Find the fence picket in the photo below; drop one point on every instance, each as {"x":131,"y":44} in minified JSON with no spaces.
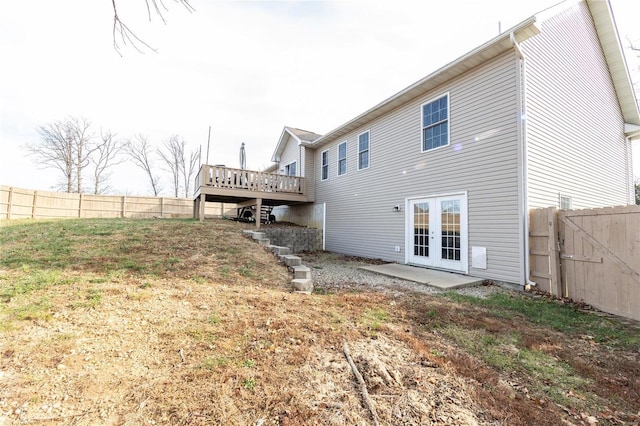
{"x":599,"y":261}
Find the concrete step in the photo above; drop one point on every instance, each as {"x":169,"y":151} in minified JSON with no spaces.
{"x":301,"y":272}
{"x":302,"y":285}
{"x":247,"y":232}
{"x":280,"y":251}
{"x":258,"y":235}
{"x":263,"y":241}
{"x":291,"y":260}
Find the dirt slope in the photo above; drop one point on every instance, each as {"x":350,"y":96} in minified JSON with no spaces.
{"x":188,"y":323}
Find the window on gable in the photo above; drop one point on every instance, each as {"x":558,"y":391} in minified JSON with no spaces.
{"x":290,"y":169}
{"x":435,"y":123}
{"x":325,"y":165}
{"x":363,"y":150}
{"x":342,"y":159}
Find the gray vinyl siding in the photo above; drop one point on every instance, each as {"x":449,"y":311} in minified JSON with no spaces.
{"x":481,"y":160}
{"x":305,"y":166}
{"x":308,"y":171}
{"x":575,"y":139}
{"x":291,"y":153}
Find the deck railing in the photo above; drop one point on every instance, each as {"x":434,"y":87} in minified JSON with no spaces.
{"x":225,"y":177}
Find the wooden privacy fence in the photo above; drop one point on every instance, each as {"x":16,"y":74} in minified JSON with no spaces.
{"x":591,"y":255}
{"x":16,"y":203}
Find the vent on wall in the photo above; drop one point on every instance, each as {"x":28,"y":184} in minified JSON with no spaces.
{"x":479,"y":257}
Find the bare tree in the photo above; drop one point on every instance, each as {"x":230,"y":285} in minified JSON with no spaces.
{"x":139,"y":150}
{"x":189,"y":167}
{"x":107,"y":154}
{"x":65,"y":145}
{"x":122,"y":34}
{"x":83,"y":145}
{"x":55,"y":150}
{"x":172,"y":154}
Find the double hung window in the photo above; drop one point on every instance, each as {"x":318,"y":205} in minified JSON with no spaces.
{"x":325,"y":165}
{"x":435,"y":123}
{"x":290,"y":169}
{"x":342,"y":159}
{"x":363,"y":150}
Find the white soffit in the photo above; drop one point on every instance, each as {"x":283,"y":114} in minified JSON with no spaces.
{"x":613,"y":53}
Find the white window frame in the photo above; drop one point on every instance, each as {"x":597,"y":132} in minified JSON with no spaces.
{"x":324,"y":154}
{"x":345,"y":158}
{"x":368,"y":150}
{"x":565,"y":198}
{"x":422,"y":141}
{"x":287,"y":169}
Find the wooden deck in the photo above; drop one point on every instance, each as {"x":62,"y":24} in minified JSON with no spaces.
{"x":246,"y":188}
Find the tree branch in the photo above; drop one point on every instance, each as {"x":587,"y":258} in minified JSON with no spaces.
{"x":126,"y":36}
{"x":363,"y":385}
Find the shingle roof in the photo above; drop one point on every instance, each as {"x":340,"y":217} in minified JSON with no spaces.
{"x":303,"y":135}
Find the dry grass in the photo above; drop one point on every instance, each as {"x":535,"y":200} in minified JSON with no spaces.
{"x":177,"y":322}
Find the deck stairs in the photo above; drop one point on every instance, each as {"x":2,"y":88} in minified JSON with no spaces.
{"x":248,"y":214}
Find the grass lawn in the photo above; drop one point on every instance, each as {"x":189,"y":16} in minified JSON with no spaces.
{"x":118,"y":321}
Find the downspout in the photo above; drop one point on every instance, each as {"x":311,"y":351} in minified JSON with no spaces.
{"x":629,"y":171}
{"x":522,"y":131}
{"x":628,"y":149}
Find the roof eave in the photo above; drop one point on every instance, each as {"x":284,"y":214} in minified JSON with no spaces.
{"x":484,"y":52}
{"x":604,"y":22}
{"x":280,"y":145}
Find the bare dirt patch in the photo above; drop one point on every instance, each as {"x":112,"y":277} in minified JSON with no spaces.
{"x":189,"y":323}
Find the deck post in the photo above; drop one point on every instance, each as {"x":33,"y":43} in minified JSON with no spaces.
{"x":258,"y":212}
{"x":201,"y":202}
{"x":195,"y":207}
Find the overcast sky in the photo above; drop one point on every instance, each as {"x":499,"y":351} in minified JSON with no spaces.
{"x":245,"y":68}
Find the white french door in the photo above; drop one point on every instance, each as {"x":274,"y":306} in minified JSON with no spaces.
{"x":437,"y":232}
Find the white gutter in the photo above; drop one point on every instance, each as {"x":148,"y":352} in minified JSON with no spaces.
{"x":522,"y":130}
{"x":629,"y":171}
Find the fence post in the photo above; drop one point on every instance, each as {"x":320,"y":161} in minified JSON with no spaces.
{"x":80,"y":205}
{"x":35,"y":204}
{"x":124,"y":203}
{"x":555,"y":286}
{"x":10,"y":202}
{"x":161,"y":207}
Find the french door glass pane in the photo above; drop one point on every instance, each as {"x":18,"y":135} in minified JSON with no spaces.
{"x":421,"y":229}
{"x":450,"y":225}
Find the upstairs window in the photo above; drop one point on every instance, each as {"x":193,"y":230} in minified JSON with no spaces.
{"x":435,"y":123}
{"x":325,"y":165}
{"x":342,"y":159}
{"x":363,"y":150}
{"x":290,"y":169}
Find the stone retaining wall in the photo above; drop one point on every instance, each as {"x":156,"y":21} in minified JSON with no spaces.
{"x":297,"y":239}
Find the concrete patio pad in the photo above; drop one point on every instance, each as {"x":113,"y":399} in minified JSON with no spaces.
{"x":439,"y":279}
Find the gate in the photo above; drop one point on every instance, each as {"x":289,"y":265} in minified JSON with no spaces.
{"x":591,"y":255}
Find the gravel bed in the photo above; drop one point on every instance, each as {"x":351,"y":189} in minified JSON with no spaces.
{"x":331,"y":271}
